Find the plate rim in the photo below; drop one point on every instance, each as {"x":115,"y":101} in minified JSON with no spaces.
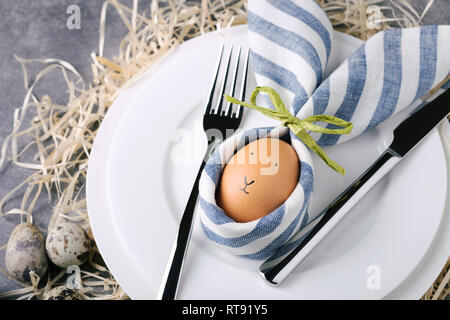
{"x":422,"y":277}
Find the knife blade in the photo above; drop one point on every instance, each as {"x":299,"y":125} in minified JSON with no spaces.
{"x":407,"y":135}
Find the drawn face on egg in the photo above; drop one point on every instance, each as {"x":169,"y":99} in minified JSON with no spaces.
{"x":258,"y":179}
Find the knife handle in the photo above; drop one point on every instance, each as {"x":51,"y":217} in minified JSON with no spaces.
{"x":331,"y":217}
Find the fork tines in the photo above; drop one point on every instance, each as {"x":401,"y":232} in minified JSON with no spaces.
{"x":228,"y":83}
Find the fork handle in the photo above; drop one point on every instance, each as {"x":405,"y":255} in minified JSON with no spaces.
{"x":172,"y":275}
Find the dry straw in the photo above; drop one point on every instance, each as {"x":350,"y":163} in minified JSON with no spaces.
{"x":62,"y":135}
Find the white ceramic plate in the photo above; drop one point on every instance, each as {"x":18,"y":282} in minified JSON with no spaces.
{"x":136,"y":194}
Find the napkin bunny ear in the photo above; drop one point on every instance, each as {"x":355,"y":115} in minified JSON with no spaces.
{"x":290,"y":42}
{"x":388,"y":73}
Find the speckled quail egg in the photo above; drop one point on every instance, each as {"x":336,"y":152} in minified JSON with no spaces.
{"x":62,"y":293}
{"x":67,"y":244}
{"x":25,"y":252}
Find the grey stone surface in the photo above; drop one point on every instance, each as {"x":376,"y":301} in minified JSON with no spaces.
{"x":37,"y":29}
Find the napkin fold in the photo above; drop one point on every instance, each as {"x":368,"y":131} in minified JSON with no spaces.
{"x":291,"y":41}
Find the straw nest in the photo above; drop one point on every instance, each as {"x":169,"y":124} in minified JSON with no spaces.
{"x":62,"y":135}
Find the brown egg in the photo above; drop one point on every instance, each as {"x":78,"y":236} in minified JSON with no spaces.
{"x":258,"y":179}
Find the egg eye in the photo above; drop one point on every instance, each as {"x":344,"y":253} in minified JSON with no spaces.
{"x":276,"y":164}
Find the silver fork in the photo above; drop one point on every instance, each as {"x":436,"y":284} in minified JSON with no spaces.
{"x":220,"y":119}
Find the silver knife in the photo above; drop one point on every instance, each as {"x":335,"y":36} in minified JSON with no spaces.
{"x":406,"y":136}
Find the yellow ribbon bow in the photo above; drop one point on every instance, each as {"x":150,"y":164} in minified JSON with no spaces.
{"x":298,"y":126}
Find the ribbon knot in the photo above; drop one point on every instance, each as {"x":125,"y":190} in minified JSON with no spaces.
{"x":290,"y":120}
{"x":299,"y":127}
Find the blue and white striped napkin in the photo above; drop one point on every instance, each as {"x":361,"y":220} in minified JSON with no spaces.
{"x":291,"y":41}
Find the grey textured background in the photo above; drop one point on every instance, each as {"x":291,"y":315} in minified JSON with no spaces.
{"x":37,"y":29}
